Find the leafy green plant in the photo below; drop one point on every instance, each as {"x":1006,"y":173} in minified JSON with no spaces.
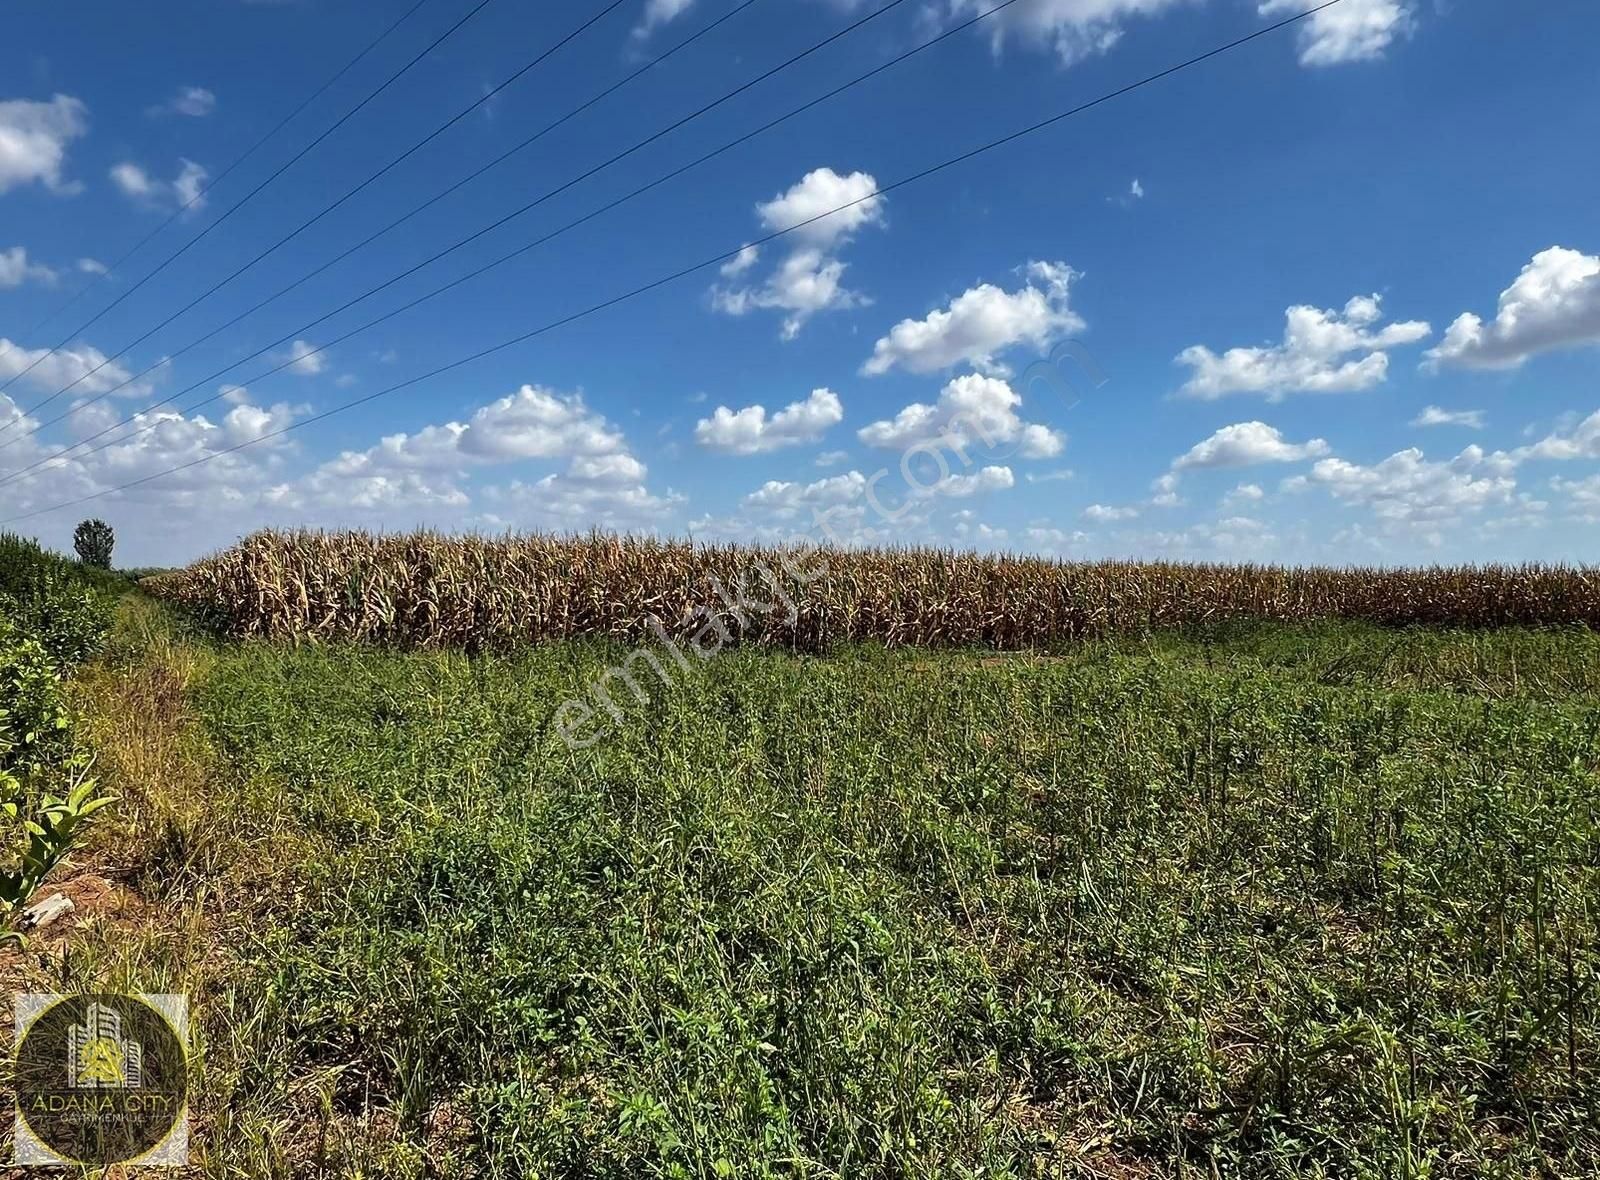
{"x":51,"y":828}
{"x":64,"y":605}
{"x":46,"y":794}
{"x":69,"y":622}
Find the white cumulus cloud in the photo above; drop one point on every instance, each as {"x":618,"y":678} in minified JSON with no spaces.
{"x":750,"y":431}
{"x":51,"y":371}
{"x":34,"y":137}
{"x":810,"y":279}
{"x":1323,"y":351}
{"x":1409,"y":488}
{"x":972,"y":410}
{"x":1245,"y":444}
{"x":1554,"y":303}
{"x":982,"y":322}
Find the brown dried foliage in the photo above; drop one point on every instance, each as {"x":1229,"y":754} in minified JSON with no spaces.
{"x":429,"y":590}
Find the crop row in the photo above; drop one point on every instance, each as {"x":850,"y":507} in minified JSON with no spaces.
{"x":430,"y":590}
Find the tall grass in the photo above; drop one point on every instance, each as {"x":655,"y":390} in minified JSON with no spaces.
{"x":431,"y":591}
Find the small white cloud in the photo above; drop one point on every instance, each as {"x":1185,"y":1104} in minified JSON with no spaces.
{"x":825,"y":205}
{"x":1245,"y":493}
{"x":658,"y":13}
{"x":1353,"y":30}
{"x":1437,"y":416}
{"x":1105,"y":513}
{"x":1407,"y":488}
{"x":831,"y":458}
{"x":1048,"y":539}
{"x":1582,"y":496}
{"x":189,"y":185}
{"x":972,"y":410}
{"x":194,"y":102}
{"x":183,"y":191}
{"x":1072,"y":29}
{"x":1165,"y":487}
{"x":92,"y":266}
{"x":1580,"y":441}
{"x":824,"y":210}
{"x":87,"y":369}
{"x":602,"y":483}
{"x":132,"y":180}
{"x":1136,"y":190}
{"x":980,"y":323}
{"x":304,"y":360}
{"x":1245,"y":444}
{"x":986,"y":479}
{"x":1554,"y":303}
{"x":1322,"y":352}
{"x":749,"y":431}
{"x":33,"y":140}
{"x":15,"y":269}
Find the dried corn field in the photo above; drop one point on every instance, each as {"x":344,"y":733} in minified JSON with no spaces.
{"x":427,"y":590}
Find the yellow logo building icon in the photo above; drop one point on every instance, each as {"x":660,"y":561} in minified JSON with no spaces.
{"x":97,"y":1055}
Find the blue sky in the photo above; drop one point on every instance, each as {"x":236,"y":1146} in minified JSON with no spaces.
{"x":1341,"y":283}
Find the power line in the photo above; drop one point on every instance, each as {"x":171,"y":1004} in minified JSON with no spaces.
{"x":431,"y":201}
{"x":794,"y":59}
{"x":171,"y":258}
{"x":307,"y":224}
{"x":221,"y":176}
{"x":696,"y":267}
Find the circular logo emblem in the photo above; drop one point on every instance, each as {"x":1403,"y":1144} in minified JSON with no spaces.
{"x":100,"y":1079}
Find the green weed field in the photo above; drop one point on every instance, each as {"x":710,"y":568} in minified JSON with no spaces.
{"x":1279,"y":901}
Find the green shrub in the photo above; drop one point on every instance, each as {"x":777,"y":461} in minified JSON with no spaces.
{"x":68,"y":622}
{"x":34,"y":718}
{"x":52,"y":617}
{"x":63,"y":605}
{"x":24,"y":563}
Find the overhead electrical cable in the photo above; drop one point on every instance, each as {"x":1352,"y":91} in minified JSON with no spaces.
{"x":515,"y":213}
{"x":696,"y":267}
{"x":307,"y":224}
{"x":309,"y":275}
{"x":201,"y":192}
{"x":234,"y":208}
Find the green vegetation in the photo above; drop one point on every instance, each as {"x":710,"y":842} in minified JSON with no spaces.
{"x":93,"y":540}
{"x":1280,"y":901}
{"x":53,"y":614}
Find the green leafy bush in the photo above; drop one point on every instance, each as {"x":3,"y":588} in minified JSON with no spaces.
{"x":51,"y":618}
{"x":24,"y":563}
{"x":63,"y":605}
{"x":34,"y":719}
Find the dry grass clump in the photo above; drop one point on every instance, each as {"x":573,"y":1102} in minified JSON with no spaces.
{"x":428,"y":590}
